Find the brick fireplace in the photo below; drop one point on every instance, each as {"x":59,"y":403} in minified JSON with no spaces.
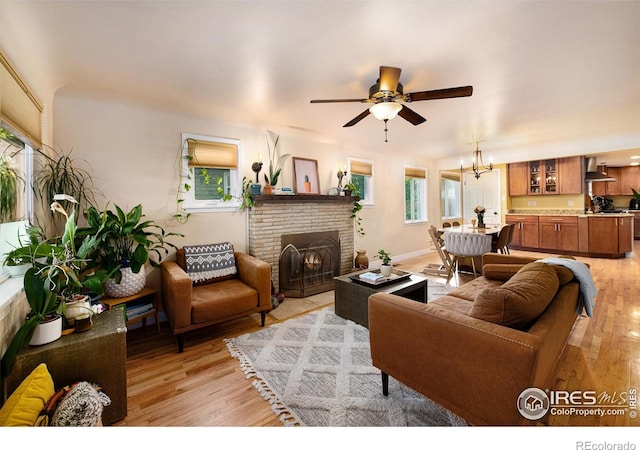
{"x":274,"y":216}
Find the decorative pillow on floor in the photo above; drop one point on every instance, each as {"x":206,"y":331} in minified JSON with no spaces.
{"x":210,"y":263}
{"x":519,"y":301}
{"x":24,"y":405}
{"x":81,"y":406}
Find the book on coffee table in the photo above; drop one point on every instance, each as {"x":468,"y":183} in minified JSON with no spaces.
{"x":372,"y":276}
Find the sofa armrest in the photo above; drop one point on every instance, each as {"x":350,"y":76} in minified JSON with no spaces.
{"x":454,"y":359}
{"x":177,"y":288}
{"x":257,"y":274}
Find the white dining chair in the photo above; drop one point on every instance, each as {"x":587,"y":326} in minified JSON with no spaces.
{"x":465,"y":245}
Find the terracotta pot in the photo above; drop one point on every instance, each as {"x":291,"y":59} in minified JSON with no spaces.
{"x":268,"y":189}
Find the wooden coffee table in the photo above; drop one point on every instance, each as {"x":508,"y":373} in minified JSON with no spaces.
{"x":352,"y":298}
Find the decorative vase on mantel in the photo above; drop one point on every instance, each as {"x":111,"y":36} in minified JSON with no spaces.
{"x":362,"y":260}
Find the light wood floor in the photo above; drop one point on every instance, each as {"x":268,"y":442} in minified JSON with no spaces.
{"x":204,"y":386}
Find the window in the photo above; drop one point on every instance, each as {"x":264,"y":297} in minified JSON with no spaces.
{"x":209,"y":173}
{"x":450,"y":195}
{"x":415,"y":192}
{"x":362,"y":176}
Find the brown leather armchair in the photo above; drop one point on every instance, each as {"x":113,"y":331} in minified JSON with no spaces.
{"x":190,"y":307}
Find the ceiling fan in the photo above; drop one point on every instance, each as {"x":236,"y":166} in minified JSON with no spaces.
{"x":387,"y":94}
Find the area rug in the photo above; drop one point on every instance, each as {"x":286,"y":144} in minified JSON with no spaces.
{"x":316,"y":370}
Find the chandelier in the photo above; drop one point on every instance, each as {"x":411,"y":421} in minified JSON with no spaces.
{"x":477,"y":165}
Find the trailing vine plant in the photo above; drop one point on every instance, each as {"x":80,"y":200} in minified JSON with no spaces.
{"x":355,"y":212}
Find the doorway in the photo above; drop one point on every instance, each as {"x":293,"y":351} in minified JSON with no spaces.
{"x":483,"y":191}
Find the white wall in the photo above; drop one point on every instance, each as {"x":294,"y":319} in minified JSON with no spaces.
{"x":133,"y":152}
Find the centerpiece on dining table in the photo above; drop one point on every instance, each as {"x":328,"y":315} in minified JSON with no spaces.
{"x":480,"y":210}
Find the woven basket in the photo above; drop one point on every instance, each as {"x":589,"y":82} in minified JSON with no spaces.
{"x":130,"y":284}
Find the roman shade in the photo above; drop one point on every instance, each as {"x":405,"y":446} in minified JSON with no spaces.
{"x":19,"y":109}
{"x":412,"y":172}
{"x":361,"y":168}
{"x":218,"y":155}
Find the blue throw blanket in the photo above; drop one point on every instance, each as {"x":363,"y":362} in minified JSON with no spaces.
{"x":588,"y":291}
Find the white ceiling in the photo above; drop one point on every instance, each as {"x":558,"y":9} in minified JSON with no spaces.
{"x":548,"y":77}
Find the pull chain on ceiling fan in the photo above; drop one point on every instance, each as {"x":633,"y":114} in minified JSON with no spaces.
{"x":387,"y":96}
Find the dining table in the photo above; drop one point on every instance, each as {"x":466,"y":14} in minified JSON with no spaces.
{"x":489,"y":229}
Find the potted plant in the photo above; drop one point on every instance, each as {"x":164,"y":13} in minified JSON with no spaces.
{"x":62,"y":173}
{"x":385,"y":268}
{"x":275,"y":162}
{"x":60,"y":271}
{"x":124,"y":242}
{"x":350,"y":189}
{"x":10,"y":181}
{"x":16,"y":264}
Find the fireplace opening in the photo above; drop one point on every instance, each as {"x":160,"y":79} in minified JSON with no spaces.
{"x":308,"y":263}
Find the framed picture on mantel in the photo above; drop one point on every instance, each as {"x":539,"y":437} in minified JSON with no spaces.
{"x":305,"y":176}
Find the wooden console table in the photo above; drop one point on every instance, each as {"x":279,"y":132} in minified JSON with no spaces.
{"x":98,"y":356}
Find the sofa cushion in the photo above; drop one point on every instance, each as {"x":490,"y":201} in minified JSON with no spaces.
{"x":504,"y":272}
{"x":25,"y":403}
{"x":221,"y":300}
{"x":520,"y":300}
{"x":208,"y":263}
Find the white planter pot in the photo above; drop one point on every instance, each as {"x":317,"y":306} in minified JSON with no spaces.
{"x":18,"y":271}
{"x":130,"y":284}
{"x":47,"y":332}
{"x":77,"y":309}
{"x":385,"y":270}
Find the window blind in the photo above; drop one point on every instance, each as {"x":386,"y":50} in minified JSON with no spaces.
{"x":412,"y":172}
{"x":212,"y":154}
{"x":19,"y":109}
{"x":361,"y":168}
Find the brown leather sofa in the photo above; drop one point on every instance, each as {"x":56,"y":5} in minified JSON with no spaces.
{"x":474,"y":367}
{"x":189,"y":307}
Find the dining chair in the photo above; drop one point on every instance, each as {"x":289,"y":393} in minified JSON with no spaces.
{"x":461,"y":245}
{"x":502,"y":240}
{"x":438,"y":243}
{"x":512,"y":229}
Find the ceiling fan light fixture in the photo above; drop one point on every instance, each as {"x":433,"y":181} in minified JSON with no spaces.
{"x":385,"y":110}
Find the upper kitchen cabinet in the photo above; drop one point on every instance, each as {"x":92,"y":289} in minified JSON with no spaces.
{"x":571,"y":175}
{"x":518,"y":174}
{"x":548,"y":176}
{"x":629,"y":178}
{"x":609,"y":187}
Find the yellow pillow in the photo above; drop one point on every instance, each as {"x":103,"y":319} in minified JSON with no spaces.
{"x":24,"y":405}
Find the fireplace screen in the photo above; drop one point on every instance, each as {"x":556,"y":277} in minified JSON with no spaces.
{"x":308,"y":263}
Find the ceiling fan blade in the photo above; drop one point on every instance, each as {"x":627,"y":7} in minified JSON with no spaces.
{"x":357,"y":119}
{"x":463,"y":91}
{"x":342,"y":100}
{"x":389,"y":77}
{"x":411,"y":116}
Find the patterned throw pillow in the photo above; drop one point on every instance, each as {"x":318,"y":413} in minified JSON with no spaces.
{"x":212,"y":262}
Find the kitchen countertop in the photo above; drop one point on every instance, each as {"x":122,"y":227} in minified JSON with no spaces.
{"x":625,"y":213}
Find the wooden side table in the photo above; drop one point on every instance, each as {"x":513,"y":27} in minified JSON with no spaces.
{"x":112,"y":302}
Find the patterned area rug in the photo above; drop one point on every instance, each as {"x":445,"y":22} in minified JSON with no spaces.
{"x":316,"y":370}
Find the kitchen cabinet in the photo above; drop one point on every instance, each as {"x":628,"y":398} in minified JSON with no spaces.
{"x":543,"y":177}
{"x":571,"y":175}
{"x":608,"y":187}
{"x":629,"y":178}
{"x":525,"y":233}
{"x":636,"y":225}
{"x":558,"y":233}
{"x":549,"y":176}
{"x":518,"y":174}
{"x":610,"y":235}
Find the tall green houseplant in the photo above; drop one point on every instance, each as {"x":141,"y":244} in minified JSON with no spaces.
{"x":10,"y":182}
{"x":275,"y":161}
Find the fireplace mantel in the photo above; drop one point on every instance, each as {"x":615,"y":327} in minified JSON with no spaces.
{"x":303,"y":198}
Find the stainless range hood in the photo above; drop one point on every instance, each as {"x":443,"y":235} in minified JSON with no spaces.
{"x":592,"y":172}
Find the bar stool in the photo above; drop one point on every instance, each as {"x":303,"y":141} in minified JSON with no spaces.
{"x":465,"y":245}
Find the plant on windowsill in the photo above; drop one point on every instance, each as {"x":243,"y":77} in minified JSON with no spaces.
{"x":357,"y":207}
{"x":10,"y":181}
